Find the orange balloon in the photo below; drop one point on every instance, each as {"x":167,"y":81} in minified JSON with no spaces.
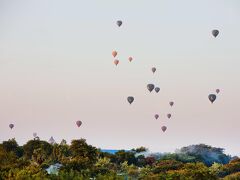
{"x":114,"y":53}
{"x":130,"y":59}
{"x":116,"y":62}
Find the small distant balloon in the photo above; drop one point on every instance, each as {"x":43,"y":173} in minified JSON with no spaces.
{"x":130,"y":59}
{"x":79,"y":123}
{"x":212,"y":97}
{"x":34,"y":134}
{"x":154,"y":69}
{"x":114,"y":53}
{"x":217,"y":91}
{"x":156,"y":116}
{"x":150,"y":87}
{"x":11,"y":126}
{"x":215,"y":33}
{"x":169,"y":116}
{"x":130,"y":99}
{"x":157,"y":89}
{"x":116,"y":62}
{"x":119,"y":23}
{"x":171,"y":103}
{"x":164,"y":128}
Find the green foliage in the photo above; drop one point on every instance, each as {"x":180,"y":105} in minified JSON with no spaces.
{"x":12,"y":146}
{"x":234,"y":176}
{"x":232,"y":167}
{"x":166,"y":165}
{"x":122,"y":156}
{"x":206,"y":154}
{"x":32,"y":145}
{"x":82,"y":161}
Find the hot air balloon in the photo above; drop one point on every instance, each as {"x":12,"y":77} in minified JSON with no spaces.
{"x":114,"y":53}
{"x":130,"y":59}
{"x":164,"y":128}
{"x":119,"y":23}
{"x":169,"y":116}
{"x":171,"y":103}
{"x":154,"y":69}
{"x":11,"y":126}
{"x":34,"y":134}
{"x":116,"y":62}
{"x":215,"y":33}
{"x":157,"y":89}
{"x":156,"y":116}
{"x":217,"y":91}
{"x":130,"y":99}
{"x":79,"y":123}
{"x":150,"y":87}
{"x":212,"y":97}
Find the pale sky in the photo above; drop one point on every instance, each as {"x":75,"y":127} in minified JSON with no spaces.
{"x":56,"y":68}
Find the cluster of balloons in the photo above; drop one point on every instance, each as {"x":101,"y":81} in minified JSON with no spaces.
{"x":150,"y":87}
{"x":213,"y":97}
{"x":156,"y":116}
{"x":116,"y":61}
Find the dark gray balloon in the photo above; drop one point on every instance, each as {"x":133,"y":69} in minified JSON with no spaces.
{"x":34,"y":134}
{"x":130,"y":99}
{"x":212,"y":97}
{"x":164,"y":128}
{"x":150,"y":87}
{"x":217,"y":91}
{"x":11,"y":125}
{"x":79,"y":123}
{"x":119,"y":23}
{"x":154,"y":69}
{"x":169,"y":116}
{"x":157,"y":89}
{"x":171,"y":103}
{"x":156,"y":116}
{"x":215,"y":32}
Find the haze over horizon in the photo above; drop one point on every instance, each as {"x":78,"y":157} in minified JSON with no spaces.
{"x":56,"y":68}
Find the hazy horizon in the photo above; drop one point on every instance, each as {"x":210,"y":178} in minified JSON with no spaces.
{"x":56,"y":68}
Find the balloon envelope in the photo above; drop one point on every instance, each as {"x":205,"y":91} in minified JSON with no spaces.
{"x":217,"y":91}
{"x":169,"y":116}
{"x":150,"y":87}
{"x":157,"y":89}
{"x":215,"y":32}
{"x":119,"y":23}
{"x":156,"y":116}
{"x":171,"y":103}
{"x":154,"y":69}
{"x":212,"y":97}
{"x":11,"y":125}
{"x":164,"y":128}
{"x":130,"y":59}
{"x":114,"y":53}
{"x":79,"y":123}
{"x":34,"y":134}
{"x":130,"y":99}
{"x":116,"y":62}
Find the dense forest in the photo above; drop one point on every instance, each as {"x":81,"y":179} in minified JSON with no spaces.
{"x":39,"y":159}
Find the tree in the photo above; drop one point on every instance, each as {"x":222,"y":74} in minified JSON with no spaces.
{"x":206,"y":154}
{"x":83,"y":155}
{"x":31,"y":145}
{"x":12,"y":146}
{"x":122,"y":156}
